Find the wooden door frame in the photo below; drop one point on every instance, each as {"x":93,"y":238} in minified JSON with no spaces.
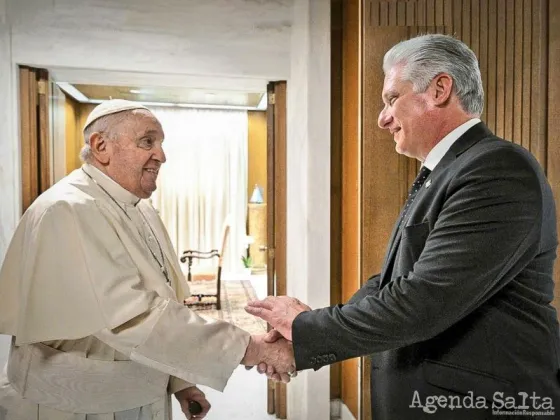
{"x":34,"y":133}
{"x":276,"y":217}
{"x":346,"y":144}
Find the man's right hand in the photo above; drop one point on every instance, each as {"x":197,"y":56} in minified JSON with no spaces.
{"x":273,"y":354}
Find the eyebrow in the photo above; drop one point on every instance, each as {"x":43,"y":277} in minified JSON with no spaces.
{"x":151,"y":132}
{"x":148,"y":132}
{"x":389,"y":94}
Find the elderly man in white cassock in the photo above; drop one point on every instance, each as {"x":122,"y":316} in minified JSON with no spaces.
{"x":91,"y":291}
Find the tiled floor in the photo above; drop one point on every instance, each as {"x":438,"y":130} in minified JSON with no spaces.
{"x":244,"y":397}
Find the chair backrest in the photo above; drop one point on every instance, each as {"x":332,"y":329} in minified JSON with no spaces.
{"x":225,"y":235}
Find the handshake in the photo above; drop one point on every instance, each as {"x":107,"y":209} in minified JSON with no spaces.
{"x":273,"y":353}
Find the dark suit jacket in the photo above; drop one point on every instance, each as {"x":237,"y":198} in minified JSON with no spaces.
{"x":463,"y":303}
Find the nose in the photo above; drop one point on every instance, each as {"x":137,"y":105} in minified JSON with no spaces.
{"x":384,"y":119}
{"x":159,"y":154}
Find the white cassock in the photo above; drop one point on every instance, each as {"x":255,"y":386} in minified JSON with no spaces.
{"x":92,"y":291}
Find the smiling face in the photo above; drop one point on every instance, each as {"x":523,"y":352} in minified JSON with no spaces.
{"x":134,"y":157}
{"x":409,"y":116}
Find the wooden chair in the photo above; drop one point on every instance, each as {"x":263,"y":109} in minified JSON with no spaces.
{"x":189,"y":255}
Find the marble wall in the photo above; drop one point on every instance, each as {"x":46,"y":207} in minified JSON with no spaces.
{"x":8,"y":151}
{"x":308,"y":227}
{"x":8,"y":146}
{"x":239,"y":38}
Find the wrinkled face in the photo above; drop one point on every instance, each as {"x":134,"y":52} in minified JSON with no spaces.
{"x":136,"y":155}
{"x":407,"y":115}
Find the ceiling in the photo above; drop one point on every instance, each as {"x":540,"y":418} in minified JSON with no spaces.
{"x":178,"y":96}
{"x":211,"y":45}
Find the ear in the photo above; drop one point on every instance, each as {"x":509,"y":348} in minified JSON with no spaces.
{"x":442,"y":88}
{"x":99,"y":147}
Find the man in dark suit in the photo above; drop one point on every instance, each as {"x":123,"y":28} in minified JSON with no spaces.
{"x":459,"y":322}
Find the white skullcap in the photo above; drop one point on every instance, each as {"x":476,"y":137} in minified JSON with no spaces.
{"x":111,"y":107}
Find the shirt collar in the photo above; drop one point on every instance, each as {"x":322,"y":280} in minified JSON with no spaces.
{"x":110,"y":186}
{"x":440,"y":149}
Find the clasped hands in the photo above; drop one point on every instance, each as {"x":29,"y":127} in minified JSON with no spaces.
{"x":273,"y":352}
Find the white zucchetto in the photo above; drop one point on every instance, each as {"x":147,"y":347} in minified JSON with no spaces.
{"x":111,"y":107}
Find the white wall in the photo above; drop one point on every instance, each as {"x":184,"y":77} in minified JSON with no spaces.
{"x":217,"y":37}
{"x":8,"y":151}
{"x":309,"y":187}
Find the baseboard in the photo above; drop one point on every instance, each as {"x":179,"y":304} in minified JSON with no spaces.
{"x":339,"y":411}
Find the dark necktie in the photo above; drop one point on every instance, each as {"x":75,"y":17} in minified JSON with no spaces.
{"x":416,"y":185}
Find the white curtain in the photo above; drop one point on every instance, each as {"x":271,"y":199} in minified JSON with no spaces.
{"x":204,"y":180}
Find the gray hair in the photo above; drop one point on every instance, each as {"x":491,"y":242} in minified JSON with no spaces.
{"x":426,"y":56}
{"x":107,"y":126}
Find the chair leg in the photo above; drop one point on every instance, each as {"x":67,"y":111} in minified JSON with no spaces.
{"x":189,"y":268}
{"x":218,"y":289}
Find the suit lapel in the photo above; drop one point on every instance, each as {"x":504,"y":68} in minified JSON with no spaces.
{"x":393,"y":243}
{"x":466,"y":141}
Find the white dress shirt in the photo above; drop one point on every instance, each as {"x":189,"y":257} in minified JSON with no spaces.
{"x":440,"y":149}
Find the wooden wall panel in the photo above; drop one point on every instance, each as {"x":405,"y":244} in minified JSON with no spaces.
{"x":381,"y":197}
{"x":28,"y":135}
{"x":76,"y":114}
{"x":518,"y":49}
{"x":351,"y":151}
{"x":517,"y":109}
{"x":483,"y":53}
{"x":500,"y":68}
{"x":72,"y":150}
{"x":539,"y":81}
{"x":448,"y":16}
{"x":43,"y":129}
{"x":276,"y":217}
{"x":421,"y":17}
{"x":57,"y":111}
{"x":457,"y":17}
{"x":527,"y":70}
{"x":490,"y":100}
{"x":35,"y":133}
{"x":256,"y":142}
{"x":509,"y":116}
{"x":466,"y":21}
{"x":475,"y":27}
{"x":280,"y":222}
{"x":336,"y":175}
{"x":553,"y":151}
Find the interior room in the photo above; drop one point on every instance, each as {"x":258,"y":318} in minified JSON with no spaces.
{"x":275,"y":159}
{"x":215,"y":175}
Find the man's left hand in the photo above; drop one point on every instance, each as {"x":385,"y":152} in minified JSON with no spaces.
{"x":193,"y":394}
{"x":278,"y":311}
